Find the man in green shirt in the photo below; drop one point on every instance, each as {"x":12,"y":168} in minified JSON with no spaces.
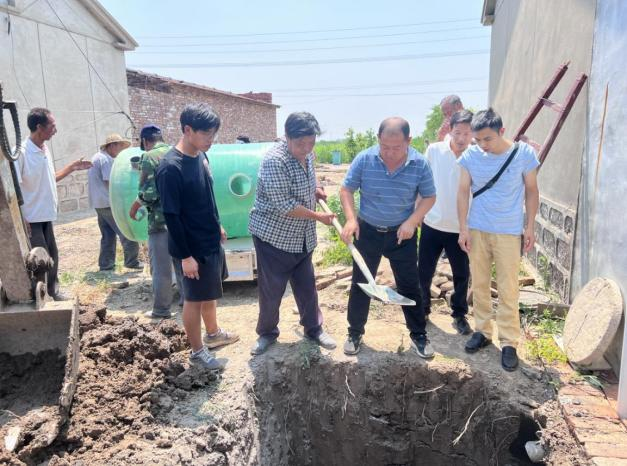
{"x":160,"y":261}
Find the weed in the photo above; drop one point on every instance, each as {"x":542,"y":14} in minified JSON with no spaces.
{"x":337,"y":254}
{"x":546,"y":349}
{"x":308,"y":352}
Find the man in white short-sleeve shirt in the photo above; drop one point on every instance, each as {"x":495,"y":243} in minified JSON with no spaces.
{"x":38,"y":182}
{"x":440,"y":228}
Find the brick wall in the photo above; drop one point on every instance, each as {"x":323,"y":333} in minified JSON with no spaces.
{"x":159,"y":100}
{"x":552,"y":254}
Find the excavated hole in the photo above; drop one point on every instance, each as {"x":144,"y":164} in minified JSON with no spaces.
{"x":386,"y":411}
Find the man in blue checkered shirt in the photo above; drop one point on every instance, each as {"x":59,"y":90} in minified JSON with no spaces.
{"x":283,"y":225}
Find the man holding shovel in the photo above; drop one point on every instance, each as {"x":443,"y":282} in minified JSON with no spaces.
{"x":283,"y":224}
{"x":389,"y":177}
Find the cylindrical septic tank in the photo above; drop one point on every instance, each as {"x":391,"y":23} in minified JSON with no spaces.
{"x":234,"y":168}
{"x":123,"y":187}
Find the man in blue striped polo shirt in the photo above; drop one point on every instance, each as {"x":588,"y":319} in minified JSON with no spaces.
{"x":389,"y":177}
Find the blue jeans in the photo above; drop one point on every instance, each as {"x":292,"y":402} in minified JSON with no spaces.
{"x":161,"y":264}
{"x":109,"y":230}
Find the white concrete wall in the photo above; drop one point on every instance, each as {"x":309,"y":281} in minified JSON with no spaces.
{"x":40,"y":65}
{"x":601,"y":249}
{"x":530,"y":40}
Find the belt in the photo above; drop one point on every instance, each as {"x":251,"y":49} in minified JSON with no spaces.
{"x":379,"y":228}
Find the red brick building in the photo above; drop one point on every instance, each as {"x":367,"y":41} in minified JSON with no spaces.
{"x":159,"y":100}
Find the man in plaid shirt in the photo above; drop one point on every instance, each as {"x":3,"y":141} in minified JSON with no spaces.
{"x":283,"y":225}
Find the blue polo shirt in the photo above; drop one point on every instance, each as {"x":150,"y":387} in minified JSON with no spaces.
{"x":388,"y":199}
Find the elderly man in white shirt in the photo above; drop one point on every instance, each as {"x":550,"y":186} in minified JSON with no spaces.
{"x":38,"y":181}
{"x":440,"y":228}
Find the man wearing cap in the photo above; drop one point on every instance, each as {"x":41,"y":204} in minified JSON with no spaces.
{"x":161,"y":263}
{"x":38,"y":181}
{"x":98,"y":182}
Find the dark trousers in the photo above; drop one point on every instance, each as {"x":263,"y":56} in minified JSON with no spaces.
{"x":42,"y":235}
{"x":432,"y":242}
{"x":372,"y":245}
{"x":109,"y":230}
{"x":275,"y":268}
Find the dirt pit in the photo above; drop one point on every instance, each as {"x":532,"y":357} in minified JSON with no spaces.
{"x":139,"y":402}
{"x":393,"y":412}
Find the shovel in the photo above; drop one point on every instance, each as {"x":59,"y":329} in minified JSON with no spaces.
{"x":382,"y":293}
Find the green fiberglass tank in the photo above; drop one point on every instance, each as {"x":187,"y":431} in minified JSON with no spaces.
{"x":234,"y":168}
{"x":123,"y":187}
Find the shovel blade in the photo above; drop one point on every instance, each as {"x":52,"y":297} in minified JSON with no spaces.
{"x":386,"y":295}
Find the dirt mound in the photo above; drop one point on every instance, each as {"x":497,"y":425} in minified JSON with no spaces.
{"x":131,"y":375}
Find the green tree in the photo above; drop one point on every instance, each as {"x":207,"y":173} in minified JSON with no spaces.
{"x":430,"y":133}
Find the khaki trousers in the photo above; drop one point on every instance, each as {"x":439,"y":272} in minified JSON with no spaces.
{"x":504,"y":251}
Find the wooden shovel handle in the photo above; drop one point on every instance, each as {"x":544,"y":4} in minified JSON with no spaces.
{"x":359,"y":260}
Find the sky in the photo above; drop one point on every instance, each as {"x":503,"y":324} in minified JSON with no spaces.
{"x":349,"y":63}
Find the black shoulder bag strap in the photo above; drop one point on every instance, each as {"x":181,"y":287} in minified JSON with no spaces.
{"x":496,"y":177}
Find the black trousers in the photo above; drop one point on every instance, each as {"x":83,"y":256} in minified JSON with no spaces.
{"x":372,"y":245}
{"x":275,"y":268}
{"x":42,"y":235}
{"x":432,"y":242}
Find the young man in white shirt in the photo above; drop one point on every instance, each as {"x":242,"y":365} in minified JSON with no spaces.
{"x":38,"y":182}
{"x":440,"y":228}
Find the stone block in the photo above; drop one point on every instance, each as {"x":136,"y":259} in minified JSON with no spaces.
{"x":69,"y":205}
{"x":80,"y":176}
{"x":569,"y":224}
{"x":62,"y":192}
{"x":83,"y":203}
{"x":544,"y":211}
{"x":563,"y":254}
{"x":548,"y":240}
{"x":531,"y":255}
{"x":76,"y":189}
{"x":556,"y":218}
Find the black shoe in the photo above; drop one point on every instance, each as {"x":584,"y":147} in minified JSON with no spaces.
{"x":509,"y":359}
{"x":138,"y":266}
{"x":476,"y":342}
{"x":462,"y":326}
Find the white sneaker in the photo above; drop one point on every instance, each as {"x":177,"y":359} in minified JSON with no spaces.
{"x":204,"y":359}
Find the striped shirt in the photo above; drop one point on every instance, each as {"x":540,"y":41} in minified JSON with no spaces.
{"x":284,"y":184}
{"x":500,"y":208}
{"x":388,"y":199}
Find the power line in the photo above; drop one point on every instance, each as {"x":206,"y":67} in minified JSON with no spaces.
{"x":310,"y":31}
{"x":357,"y":46}
{"x":91,"y":65}
{"x":311,"y":62}
{"x":290,"y":41}
{"x":372,"y":86}
{"x":388,"y":94}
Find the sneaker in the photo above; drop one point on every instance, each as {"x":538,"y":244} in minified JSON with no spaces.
{"x":476,"y":342}
{"x":325,"y":340}
{"x":422,"y":346}
{"x":204,"y":359}
{"x":462,"y":326}
{"x":352,"y":345}
{"x":152,"y":315}
{"x":261,"y":345}
{"x":220,"y":338}
{"x":509,"y":359}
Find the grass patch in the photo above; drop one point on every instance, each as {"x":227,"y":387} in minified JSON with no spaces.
{"x":337,"y":254}
{"x":542,"y":345}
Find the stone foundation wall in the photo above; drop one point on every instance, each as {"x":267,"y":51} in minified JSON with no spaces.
{"x":552,"y":254}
